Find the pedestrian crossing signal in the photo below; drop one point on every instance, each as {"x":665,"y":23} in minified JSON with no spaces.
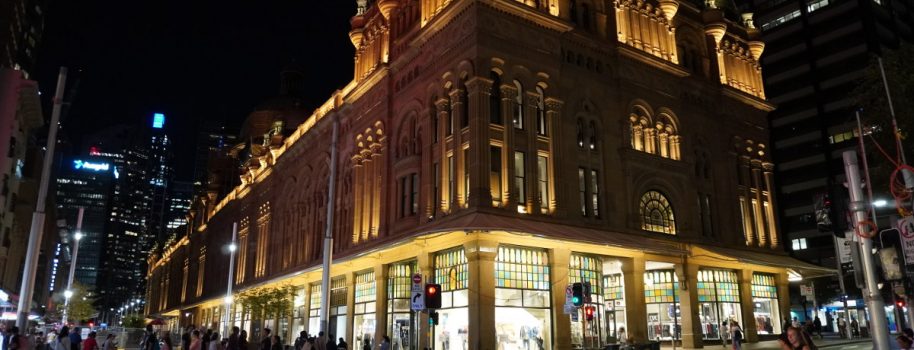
{"x":588,"y":312}
{"x":433,"y":318}
{"x":577,"y":294}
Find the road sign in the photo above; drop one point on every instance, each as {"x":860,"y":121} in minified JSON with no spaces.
{"x":807,"y":291}
{"x":570,"y":309}
{"x":906,"y":234}
{"x":574,"y":316}
{"x":417,"y":297}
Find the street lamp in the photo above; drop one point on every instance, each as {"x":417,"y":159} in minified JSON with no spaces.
{"x":76,"y":237}
{"x":232,"y":247}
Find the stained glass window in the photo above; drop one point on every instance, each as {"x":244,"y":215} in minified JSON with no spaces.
{"x":365,"y":287}
{"x":612,"y":287}
{"x":315,"y":299}
{"x":451,"y":269}
{"x":585,"y":268}
{"x":399,"y":280}
{"x":763,"y":286}
{"x":718,"y":285}
{"x":661,"y":286}
{"x":657,"y":213}
{"x":522,"y":268}
{"x":338,"y":291}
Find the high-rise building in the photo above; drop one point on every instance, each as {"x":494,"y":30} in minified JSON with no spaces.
{"x":212,"y":140}
{"x":506,"y":150}
{"x":817,"y":51}
{"x":21,"y":28}
{"x":160,"y":173}
{"x":179,"y":199}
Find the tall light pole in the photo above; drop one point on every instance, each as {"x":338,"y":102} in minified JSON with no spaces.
{"x":328,"y":230}
{"x":38,"y":217}
{"x":232,"y":247}
{"x":67,"y":294}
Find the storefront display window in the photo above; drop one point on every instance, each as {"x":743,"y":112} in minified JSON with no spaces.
{"x":718,"y":300}
{"x":363,"y":315}
{"x":298,"y":312}
{"x":661,"y":296}
{"x":614,"y":305}
{"x":314,"y":314}
{"x":765,"y":304}
{"x":399,"y":317}
{"x":522,"y":315}
{"x":337,"y":325}
{"x":451,"y":272}
{"x":588,"y":269}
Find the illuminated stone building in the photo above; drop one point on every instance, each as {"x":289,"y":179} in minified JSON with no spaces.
{"x":506,"y":149}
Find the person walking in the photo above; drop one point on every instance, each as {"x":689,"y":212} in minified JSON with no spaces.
{"x":266,"y":343}
{"x":233,"y":339}
{"x":149,"y":341}
{"x":385,"y":343}
{"x":166,"y":341}
{"x":795,"y":340}
{"x":817,"y":326}
{"x":243,"y":340}
{"x":736,"y":335}
{"x":76,"y":339}
{"x":331,"y":344}
{"x":195,"y":341}
{"x":214,"y":343}
{"x":185,"y":338}
{"x":91,"y":343}
{"x":110,"y":342}
{"x":63,"y":339}
{"x":321,"y":342}
{"x":342,"y":345}
{"x":276,"y":343}
{"x":300,"y":341}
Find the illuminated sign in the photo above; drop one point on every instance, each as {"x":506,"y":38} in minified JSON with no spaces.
{"x":80,"y":164}
{"x":158,"y":120}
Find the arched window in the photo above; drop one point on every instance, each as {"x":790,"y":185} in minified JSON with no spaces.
{"x":495,"y":99}
{"x":657,"y":213}
{"x":518,"y":119}
{"x":641,"y":131}
{"x":580,"y":133}
{"x":592,"y":138}
{"x":540,"y":112}
{"x":667,"y":138}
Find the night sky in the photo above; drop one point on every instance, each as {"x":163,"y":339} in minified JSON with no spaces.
{"x":192,"y":60}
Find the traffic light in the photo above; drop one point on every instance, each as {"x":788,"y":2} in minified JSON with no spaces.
{"x":433,"y":318}
{"x":433,"y":296}
{"x":587,"y":292}
{"x":900,"y":302}
{"x":577,"y":294}
{"x":588,"y":312}
{"x":823,"y":212}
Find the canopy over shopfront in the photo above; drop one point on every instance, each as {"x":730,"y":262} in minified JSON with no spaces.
{"x":802,"y":269}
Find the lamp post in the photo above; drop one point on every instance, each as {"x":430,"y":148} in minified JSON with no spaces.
{"x":67,"y":294}
{"x":232,"y":247}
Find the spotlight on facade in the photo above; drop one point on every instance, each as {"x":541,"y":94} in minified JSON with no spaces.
{"x":879,"y":203}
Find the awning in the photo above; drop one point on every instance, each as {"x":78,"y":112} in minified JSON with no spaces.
{"x":527,"y":225}
{"x":774,"y":259}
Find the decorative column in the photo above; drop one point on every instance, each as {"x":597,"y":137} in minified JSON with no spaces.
{"x":478,"y":92}
{"x":377,"y":168}
{"x":769,"y":185}
{"x":688,"y":305}
{"x":441,"y":106}
{"x":350,"y":306}
{"x":306,"y":312}
{"x":674,"y":147}
{"x":427,"y":172}
{"x":508,"y":94}
{"x":357,"y":170}
{"x":759,"y":204}
{"x":749,"y":223}
{"x":783,"y":285}
{"x":553,"y":116}
{"x":650,"y":145}
{"x":457,"y":110}
{"x":635,"y":307}
{"x":380,"y":278}
{"x":367,"y":191}
{"x":425,"y":265}
{"x":637,"y":134}
{"x":664,"y":145}
{"x":481,"y":294}
{"x":558,"y":267}
{"x":747,"y":307}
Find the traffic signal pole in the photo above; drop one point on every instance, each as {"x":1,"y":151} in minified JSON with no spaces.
{"x":877,"y":324}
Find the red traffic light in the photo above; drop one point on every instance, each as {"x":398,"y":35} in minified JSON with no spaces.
{"x":588,"y":312}
{"x":432,"y":296}
{"x":900,"y":303}
{"x":432,"y":289}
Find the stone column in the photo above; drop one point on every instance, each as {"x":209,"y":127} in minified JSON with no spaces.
{"x":350,"y":307}
{"x":426,"y":265}
{"x":442,"y":105}
{"x":508,"y":94}
{"x":553,"y":128}
{"x":748,"y":223}
{"x":759,"y":207}
{"x":747,"y":307}
{"x":478,"y":91}
{"x":481,"y":299}
{"x":558,"y":265}
{"x":688,"y":305}
{"x":381,"y":326}
{"x":783,"y":285}
{"x":458,"y":107}
{"x":772,"y":208}
{"x":635,"y":308}
{"x":306,"y":313}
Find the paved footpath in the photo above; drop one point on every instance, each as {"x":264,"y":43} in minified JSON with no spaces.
{"x":830,"y":342}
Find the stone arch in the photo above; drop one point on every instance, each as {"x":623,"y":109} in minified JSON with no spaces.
{"x":667,"y":134}
{"x":641,"y":131}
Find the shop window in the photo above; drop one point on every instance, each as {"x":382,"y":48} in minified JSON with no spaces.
{"x":657,"y":213}
{"x":798,"y":244}
{"x":765,"y":304}
{"x":661,"y":296}
{"x":338,"y":315}
{"x":522,"y":298}
{"x":363,"y":314}
{"x":399,"y":315}
{"x":451,"y":272}
{"x":314,"y":312}
{"x":614,"y":303}
{"x":718,"y":299}
{"x":298,"y":311}
{"x":585,"y":268}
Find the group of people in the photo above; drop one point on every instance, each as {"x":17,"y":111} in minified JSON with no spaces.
{"x":65,"y":338}
{"x":207,"y":339}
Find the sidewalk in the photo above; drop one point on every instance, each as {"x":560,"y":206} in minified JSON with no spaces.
{"x":829,"y":341}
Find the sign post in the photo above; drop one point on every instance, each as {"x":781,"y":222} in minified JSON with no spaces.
{"x":417,"y":295}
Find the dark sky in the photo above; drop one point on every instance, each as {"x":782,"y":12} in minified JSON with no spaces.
{"x":192,"y":60}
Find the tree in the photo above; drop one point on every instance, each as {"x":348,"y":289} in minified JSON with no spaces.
{"x":266,"y":302}
{"x":80,"y":305}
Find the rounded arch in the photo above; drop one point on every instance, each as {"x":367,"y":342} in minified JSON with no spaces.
{"x":656,"y":212}
{"x":466,"y":69}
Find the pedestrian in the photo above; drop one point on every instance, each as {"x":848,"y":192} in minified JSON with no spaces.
{"x":842,"y":328}
{"x":342,"y":345}
{"x":331,"y":344}
{"x":904,"y":342}
{"x":214,"y":343}
{"x":817,"y":326}
{"x":233,"y":339}
{"x":276,"y":343}
{"x":385,"y":343}
{"x":149,"y":340}
{"x":366,"y":343}
{"x":63,"y":339}
{"x":795,"y":340}
{"x":736,"y":334}
{"x":17,"y":341}
{"x":243,"y":340}
{"x":185,"y":338}
{"x":206,"y":338}
{"x":40,"y":341}
{"x":166,"y":341}
{"x":855,"y":328}
{"x":309,"y":344}
{"x":110,"y":342}
{"x":321,"y":342}
{"x":91,"y":343}
{"x":300,"y":341}
{"x":266,"y":342}
{"x":195,"y":341}
{"x":76,"y":338}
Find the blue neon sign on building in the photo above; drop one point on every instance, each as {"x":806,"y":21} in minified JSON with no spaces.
{"x":158,"y":120}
